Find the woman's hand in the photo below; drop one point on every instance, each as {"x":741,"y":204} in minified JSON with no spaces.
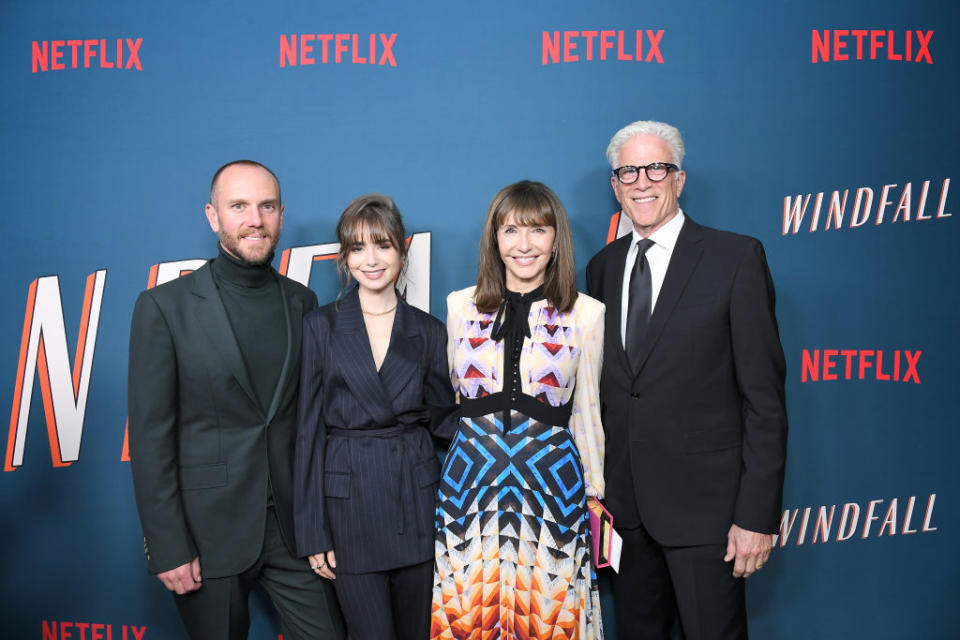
{"x":323,"y":564}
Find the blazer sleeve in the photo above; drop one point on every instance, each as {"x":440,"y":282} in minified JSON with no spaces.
{"x":153,"y":411}
{"x":585,"y":424}
{"x":438,"y":392}
{"x":311,"y":529}
{"x":761,"y":372}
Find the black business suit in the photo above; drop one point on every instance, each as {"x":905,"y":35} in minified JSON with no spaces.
{"x":696,"y":436}
{"x":366,"y":469}
{"x":207,"y":459}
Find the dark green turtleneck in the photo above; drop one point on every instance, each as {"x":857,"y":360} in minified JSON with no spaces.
{"x":251,"y":296}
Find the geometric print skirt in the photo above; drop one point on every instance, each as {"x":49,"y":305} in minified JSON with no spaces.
{"x":513,"y":536}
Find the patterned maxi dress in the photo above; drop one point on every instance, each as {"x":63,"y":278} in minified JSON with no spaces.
{"x":513,"y":553}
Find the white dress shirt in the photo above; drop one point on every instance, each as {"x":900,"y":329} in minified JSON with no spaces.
{"x":658,"y":258}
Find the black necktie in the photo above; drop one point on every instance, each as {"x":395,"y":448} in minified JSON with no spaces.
{"x":638,"y":309}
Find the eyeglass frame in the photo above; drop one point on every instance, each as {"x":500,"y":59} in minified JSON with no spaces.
{"x":646,"y":171}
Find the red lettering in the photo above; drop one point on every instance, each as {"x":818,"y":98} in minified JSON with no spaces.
{"x":288,"y":50}
{"x":74,"y":45}
{"x":373,"y":48}
{"x":848,"y":354}
{"x":621,"y":55}
{"x":923,"y":51}
{"x":40,"y":56}
{"x":880,"y":374}
{"x":339,"y":47}
{"x":325,"y":38}
{"x":875,"y":42}
{"x":56,"y":54}
{"x":859,"y":34}
{"x":138,"y":632}
{"x":839,"y":45}
{"x":819,"y":46}
{"x":134,"y":61}
{"x":104,"y":62}
{"x":306,"y":49}
{"x":551,"y":47}
{"x":828,"y":364}
{"x":896,"y":364}
{"x":912,"y":358}
{"x":388,"y":49}
{"x":589,"y":36}
{"x":654,"y":39}
{"x":356,"y":59}
{"x":810,"y":367}
{"x":64,"y":629}
{"x":891,"y":55}
{"x":605,"y":43}
{"x":569,"y":46}
{"x":865,"y":362}
{"x":89,"y":51}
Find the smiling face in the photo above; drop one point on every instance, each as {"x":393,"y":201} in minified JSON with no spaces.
{"x":648,"y":204}
{"x":246,"y":213}
{"x":525,"y":251}
{"x":373,"y":264}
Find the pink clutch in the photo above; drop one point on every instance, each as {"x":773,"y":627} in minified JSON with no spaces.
{"x":601,"y":528}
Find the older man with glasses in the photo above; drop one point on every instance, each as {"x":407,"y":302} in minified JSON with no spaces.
{"x":693,"y":401}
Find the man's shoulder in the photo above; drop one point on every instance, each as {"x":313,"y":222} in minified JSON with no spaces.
{"x":720,"y":238}
{"x":177,"y":288}
{"x":292,"y":288}
{"x":608,"y":250}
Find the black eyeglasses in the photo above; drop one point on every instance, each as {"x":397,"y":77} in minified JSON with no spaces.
{"x":656,"y":171}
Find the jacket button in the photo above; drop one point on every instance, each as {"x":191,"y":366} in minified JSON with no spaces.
{"x":635,"y":395}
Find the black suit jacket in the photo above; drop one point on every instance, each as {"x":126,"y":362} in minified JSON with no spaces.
{"x":366,"y":468}
{"x":696,"y":437}
{"x":204,"y":454}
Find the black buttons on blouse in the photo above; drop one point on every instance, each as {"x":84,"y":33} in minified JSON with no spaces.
{"x":515,"y":391}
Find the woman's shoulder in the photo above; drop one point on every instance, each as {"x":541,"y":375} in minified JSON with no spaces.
{"x":460,"y":301}
{"x":588,"y":308}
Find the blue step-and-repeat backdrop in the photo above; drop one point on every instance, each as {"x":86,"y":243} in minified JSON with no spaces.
{"x":827,"y":129}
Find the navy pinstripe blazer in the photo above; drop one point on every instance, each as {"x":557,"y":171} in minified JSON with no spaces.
{"x":366,"y":471}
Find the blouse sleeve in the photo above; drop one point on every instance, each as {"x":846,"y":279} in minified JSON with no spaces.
{"x":585,"y":422}
{"x":454,"y":319}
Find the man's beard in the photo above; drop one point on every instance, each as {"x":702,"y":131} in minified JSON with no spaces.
{"x":234,"y":246}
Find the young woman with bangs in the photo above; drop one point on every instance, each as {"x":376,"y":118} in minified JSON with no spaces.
{"x":374,"y":390}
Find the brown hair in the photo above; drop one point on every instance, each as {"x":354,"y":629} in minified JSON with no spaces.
{"x":531,"y":203}
{"x":376,"y":216}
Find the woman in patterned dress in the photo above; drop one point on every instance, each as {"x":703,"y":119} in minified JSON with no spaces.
{"x":525,"y":348}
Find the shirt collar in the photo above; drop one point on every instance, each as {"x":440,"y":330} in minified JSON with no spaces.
{"x":666,"y":236}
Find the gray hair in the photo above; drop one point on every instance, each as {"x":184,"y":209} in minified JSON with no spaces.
{"x":662,"y":130}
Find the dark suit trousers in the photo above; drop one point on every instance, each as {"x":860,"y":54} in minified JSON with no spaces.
{"x":219,"y":610}
{"x":387,"y":605}
{"x":656,"y":582}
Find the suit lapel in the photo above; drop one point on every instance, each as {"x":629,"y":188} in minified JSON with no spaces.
{"x":293,"y":318}
{"x":683,"y":262}
{"x":212,"y":317}
{"x":351,"y":353}
{"x":613,"y":297}
{"x":405,"y":350}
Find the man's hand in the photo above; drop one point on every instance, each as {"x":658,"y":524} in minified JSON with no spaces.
{"x":750,"y":549}
{"x":323,"y":564}
{"x":183,"y":579}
